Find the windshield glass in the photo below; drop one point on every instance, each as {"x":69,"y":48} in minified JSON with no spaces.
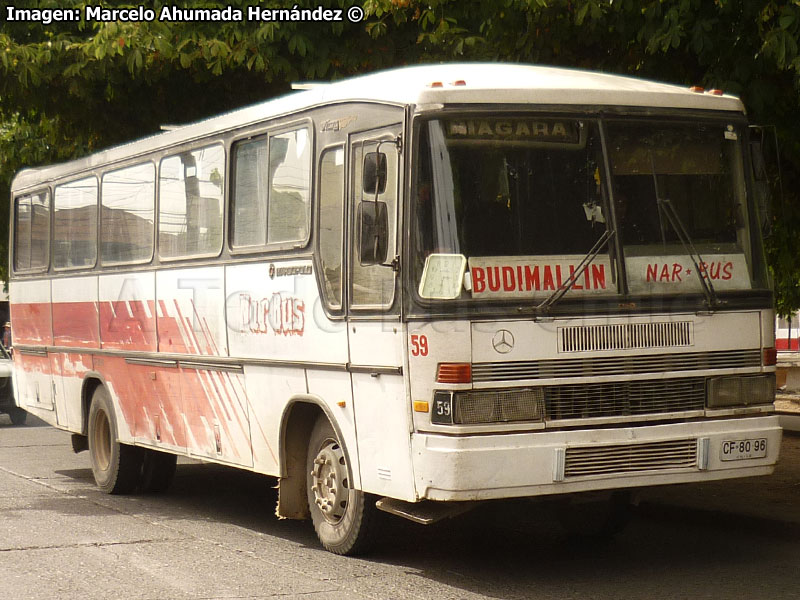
{"x":693,"y":172}
{"x":521,"y":198}
{"x":508,"y":207}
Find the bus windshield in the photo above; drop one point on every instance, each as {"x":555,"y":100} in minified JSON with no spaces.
{"x":508,"y":207}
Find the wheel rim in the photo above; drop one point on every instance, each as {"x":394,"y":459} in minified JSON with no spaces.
{"x":102,"y":441}
{"x":329,"y":482}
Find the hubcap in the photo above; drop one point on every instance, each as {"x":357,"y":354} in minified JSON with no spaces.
{"x":329,"y":481}
{"x":102,"y":441}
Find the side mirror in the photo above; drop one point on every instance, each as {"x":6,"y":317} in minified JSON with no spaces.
{"x":373,"y":233}
{"x":374,"y":173}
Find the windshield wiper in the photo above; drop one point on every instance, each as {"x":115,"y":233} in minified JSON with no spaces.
{"x":665,"y":205}
{"x":573,"y":277}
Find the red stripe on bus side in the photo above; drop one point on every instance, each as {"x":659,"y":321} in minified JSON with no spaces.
{"x":76,"y":324}
{"x":126,"y":325}
{"x":31,"y":323}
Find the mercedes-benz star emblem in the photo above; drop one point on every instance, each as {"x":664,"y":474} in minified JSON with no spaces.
{"x":503,"y":341}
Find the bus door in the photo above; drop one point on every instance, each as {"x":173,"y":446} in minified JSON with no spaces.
{"x":374,"y":329}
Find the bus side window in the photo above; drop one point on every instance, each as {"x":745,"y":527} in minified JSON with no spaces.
{"x":32,"y":232}
{"x":249,"y":201}
{"x":190,"y":196}
{"x":128,"y":214}
{"x":331,"y":205}
{"x":75,"y":224}
{"x":290,"y":181}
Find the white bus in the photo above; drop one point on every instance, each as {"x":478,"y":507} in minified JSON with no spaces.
{"x":414,"y":290}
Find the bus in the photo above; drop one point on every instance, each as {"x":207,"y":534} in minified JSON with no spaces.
{"x":410,"y":291}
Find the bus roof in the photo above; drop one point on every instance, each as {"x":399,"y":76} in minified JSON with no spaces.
{"x":423,"y":86}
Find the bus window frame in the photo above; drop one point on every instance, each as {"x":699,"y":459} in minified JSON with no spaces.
{"x":227,"y":160}
{"x":333,"y":311}
{"x":58,"y":184}
{"x":48,"y":192}
{"x":151,"y":159}
{"x":268,"y":133}
{"x":418,"y":307}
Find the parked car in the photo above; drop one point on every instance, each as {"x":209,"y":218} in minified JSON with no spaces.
{"x":8,"y":403}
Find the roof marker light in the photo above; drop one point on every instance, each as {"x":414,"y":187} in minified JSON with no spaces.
{"x":459,"y":82}
{"x":437,"y":84}
{"x":697,"y":89}
{"x":715,"y":92}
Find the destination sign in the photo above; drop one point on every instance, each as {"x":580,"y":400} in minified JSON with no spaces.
{"x":529,"y":276}
{"x":514,"y":129}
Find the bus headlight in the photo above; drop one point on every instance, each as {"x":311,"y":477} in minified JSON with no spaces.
{"x":741,"y":391}
{"x":479,"y":407}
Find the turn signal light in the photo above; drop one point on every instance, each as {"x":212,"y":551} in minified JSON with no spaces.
{"x":770,"y":357}
{"x":454,"y":373}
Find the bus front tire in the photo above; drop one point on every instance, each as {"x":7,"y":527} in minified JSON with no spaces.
{"x":343,"y":517}
{"x":116,"y":467}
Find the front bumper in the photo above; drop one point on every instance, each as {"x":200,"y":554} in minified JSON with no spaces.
{"x":482,"y":467}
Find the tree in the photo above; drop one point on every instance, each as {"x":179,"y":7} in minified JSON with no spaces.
{"x":70,"y":88}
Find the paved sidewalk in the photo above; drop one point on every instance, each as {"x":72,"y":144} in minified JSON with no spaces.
{"x":787,"y":402}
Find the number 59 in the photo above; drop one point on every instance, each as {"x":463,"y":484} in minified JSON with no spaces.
{"x":419,"y":345}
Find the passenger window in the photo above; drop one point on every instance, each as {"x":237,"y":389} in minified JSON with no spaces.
{"x":190,"y":198}
{"x":32,"y":232}
{"x":290,"y":166}
{"x":249,"y":203}
{"x":331,"y":205}
{"x":75,"y":224}
{"x":271,"y":189}
{"x":128,"y":210}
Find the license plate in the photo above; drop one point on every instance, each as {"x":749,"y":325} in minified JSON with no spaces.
{"x":743,"y":449}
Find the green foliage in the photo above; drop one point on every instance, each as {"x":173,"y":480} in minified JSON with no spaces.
{"x":69,"y":88}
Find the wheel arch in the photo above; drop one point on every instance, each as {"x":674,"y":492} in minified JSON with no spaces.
{"x":91,"y":381}
{"x":297,"y":421}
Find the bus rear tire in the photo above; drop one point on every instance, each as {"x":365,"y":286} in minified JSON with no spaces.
{"x":343,"y":517}
{"x":116,"y":467}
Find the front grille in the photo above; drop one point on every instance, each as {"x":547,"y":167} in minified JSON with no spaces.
{"x":624,"y":398}
{"x":625,"y":336}
{"x":630,"y":458}
{"x":614,"y":365}
{"x":556,"y":403}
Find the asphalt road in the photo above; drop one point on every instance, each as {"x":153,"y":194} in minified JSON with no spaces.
{"x":214,"y":535}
